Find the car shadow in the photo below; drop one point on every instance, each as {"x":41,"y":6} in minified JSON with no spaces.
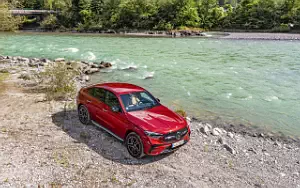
{"x":98,"y":140}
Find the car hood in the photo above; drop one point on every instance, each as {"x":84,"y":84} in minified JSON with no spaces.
{"x":158,"y":119}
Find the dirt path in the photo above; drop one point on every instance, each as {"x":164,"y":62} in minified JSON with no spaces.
{"x":42,"y":144}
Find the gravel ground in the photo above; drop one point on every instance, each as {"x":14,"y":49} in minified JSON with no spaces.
{"x":263,"y":36}
{"x":43,"y":144}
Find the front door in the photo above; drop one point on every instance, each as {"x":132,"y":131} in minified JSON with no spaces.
{"x":117,"y":121}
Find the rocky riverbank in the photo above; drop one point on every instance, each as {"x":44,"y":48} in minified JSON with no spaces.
{"x":27,"y":67}
{"x":174,"y":33}
{"x":262,"y":36}
{"x":42,"y":143}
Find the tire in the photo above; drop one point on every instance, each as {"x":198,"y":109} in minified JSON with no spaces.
{"x":84,"y":115}
{"x":134,"y":145}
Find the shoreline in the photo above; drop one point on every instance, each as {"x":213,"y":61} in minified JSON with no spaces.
{"x":206,"y":35}
{"x":43,"y":143}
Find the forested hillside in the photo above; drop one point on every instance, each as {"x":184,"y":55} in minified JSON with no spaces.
{"x":96,"y":15}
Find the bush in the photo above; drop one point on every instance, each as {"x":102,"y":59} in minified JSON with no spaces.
{"x":50,"y":22}
{"x":281,"y":28}
{"x":60,"y":81}
{"x":7,"y":21}
{"x":181,"y":112}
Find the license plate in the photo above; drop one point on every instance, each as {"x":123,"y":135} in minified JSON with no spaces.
{"x":176,"y":144}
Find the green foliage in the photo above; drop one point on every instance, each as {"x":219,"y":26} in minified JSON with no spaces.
{"x":59,"y":79}
{"x":3,"y":76}
{"x":281,"y":28}
{"x":181,"y":112}
{"x":7,"y":21}
{"x":96,"y":15}
{"x":50,"y":22}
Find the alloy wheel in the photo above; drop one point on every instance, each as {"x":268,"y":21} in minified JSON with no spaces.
{"x":84,"y":115}
{"x":134,"y":145}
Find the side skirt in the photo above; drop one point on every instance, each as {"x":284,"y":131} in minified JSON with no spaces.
{"x":103,"y":128}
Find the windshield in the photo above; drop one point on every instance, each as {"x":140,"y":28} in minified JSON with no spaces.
{"x":138,"y":101}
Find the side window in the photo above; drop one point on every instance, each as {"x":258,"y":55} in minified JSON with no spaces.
{"x":111,"y":99}
{"x":91,"y":91}
{"x":98,"y":93}
{"x":146,"y":97}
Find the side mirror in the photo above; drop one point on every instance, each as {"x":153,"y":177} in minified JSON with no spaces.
{"x":115,"y":109}
{"x":158,"y":99}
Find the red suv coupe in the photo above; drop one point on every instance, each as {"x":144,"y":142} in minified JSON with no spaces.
{"x":134,"y":116}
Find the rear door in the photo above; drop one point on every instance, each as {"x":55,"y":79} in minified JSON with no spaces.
{"x":96,"y":105}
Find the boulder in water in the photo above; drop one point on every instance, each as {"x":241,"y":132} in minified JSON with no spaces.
{"x":106,"y":64}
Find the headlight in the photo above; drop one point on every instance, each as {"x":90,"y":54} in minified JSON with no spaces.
{"x":153,"y":134}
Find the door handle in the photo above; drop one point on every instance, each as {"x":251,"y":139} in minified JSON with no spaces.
{"x":104,"y":110}
{"x":88,"y":101}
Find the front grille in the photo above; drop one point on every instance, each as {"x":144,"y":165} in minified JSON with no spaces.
{"x":177,"y":135}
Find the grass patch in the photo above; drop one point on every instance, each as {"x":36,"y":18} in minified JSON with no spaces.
{"x":205,"y":148}
{"x":129,"y":184}
{"x":114,"y":179}
{"x":61,"y":159}
{"x":230,"y":164}
{"x":3,"y":76}
{"x":181,"y":112}
{"x":85,"y":135}
{"x":60,"y":81}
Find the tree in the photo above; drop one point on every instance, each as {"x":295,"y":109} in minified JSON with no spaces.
{"x":187,"y":14}
{"x":7,"y":21}
{"x":209,"y":13}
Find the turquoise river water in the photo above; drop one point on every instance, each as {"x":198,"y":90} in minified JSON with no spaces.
{"x":237,"y":81}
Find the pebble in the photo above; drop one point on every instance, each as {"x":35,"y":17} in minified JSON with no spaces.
{"x":205,"y":130}
{"x":221,"y":141}
{"x":230,"y":134}
{"x":216,"y":131}
{"x":282,"y":174}
{"x":59,"y":59}
{"x":230,"y":149}
{"x":296,"y":174}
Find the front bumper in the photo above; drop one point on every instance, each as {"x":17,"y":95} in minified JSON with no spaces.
{"x":161,"y":148}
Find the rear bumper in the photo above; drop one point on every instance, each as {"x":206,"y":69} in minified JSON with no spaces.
{"x":157,"y":149}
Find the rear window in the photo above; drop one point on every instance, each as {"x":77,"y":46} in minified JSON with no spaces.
{"x":98,"y":93}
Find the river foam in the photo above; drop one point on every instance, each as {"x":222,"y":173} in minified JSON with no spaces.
{"x":73,"y":50}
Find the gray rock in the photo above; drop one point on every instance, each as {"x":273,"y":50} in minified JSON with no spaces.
{"x":33,"y":64}
{"x":59,"y":59}
{"x":45,"y":60}
{"x":5,"y":61}
{"x":95,"y":65}
{"x":35,"y":60}
{"x":85,"y":63}
{"x":230,"y":134}
{"x":296,"y":174}
{"x":25,"y":60}
{"x":92,"y":70}
{"x":205,"y":130}
{"x":86,"y":78}
{"x":221,"y":141}
{"x":230,"y":149}
{"x":252,"y":150}
{"x":216,"y":131}
{"x":25,"y":76}
{"x":106,"y":64}
{"x":2,"y":57}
